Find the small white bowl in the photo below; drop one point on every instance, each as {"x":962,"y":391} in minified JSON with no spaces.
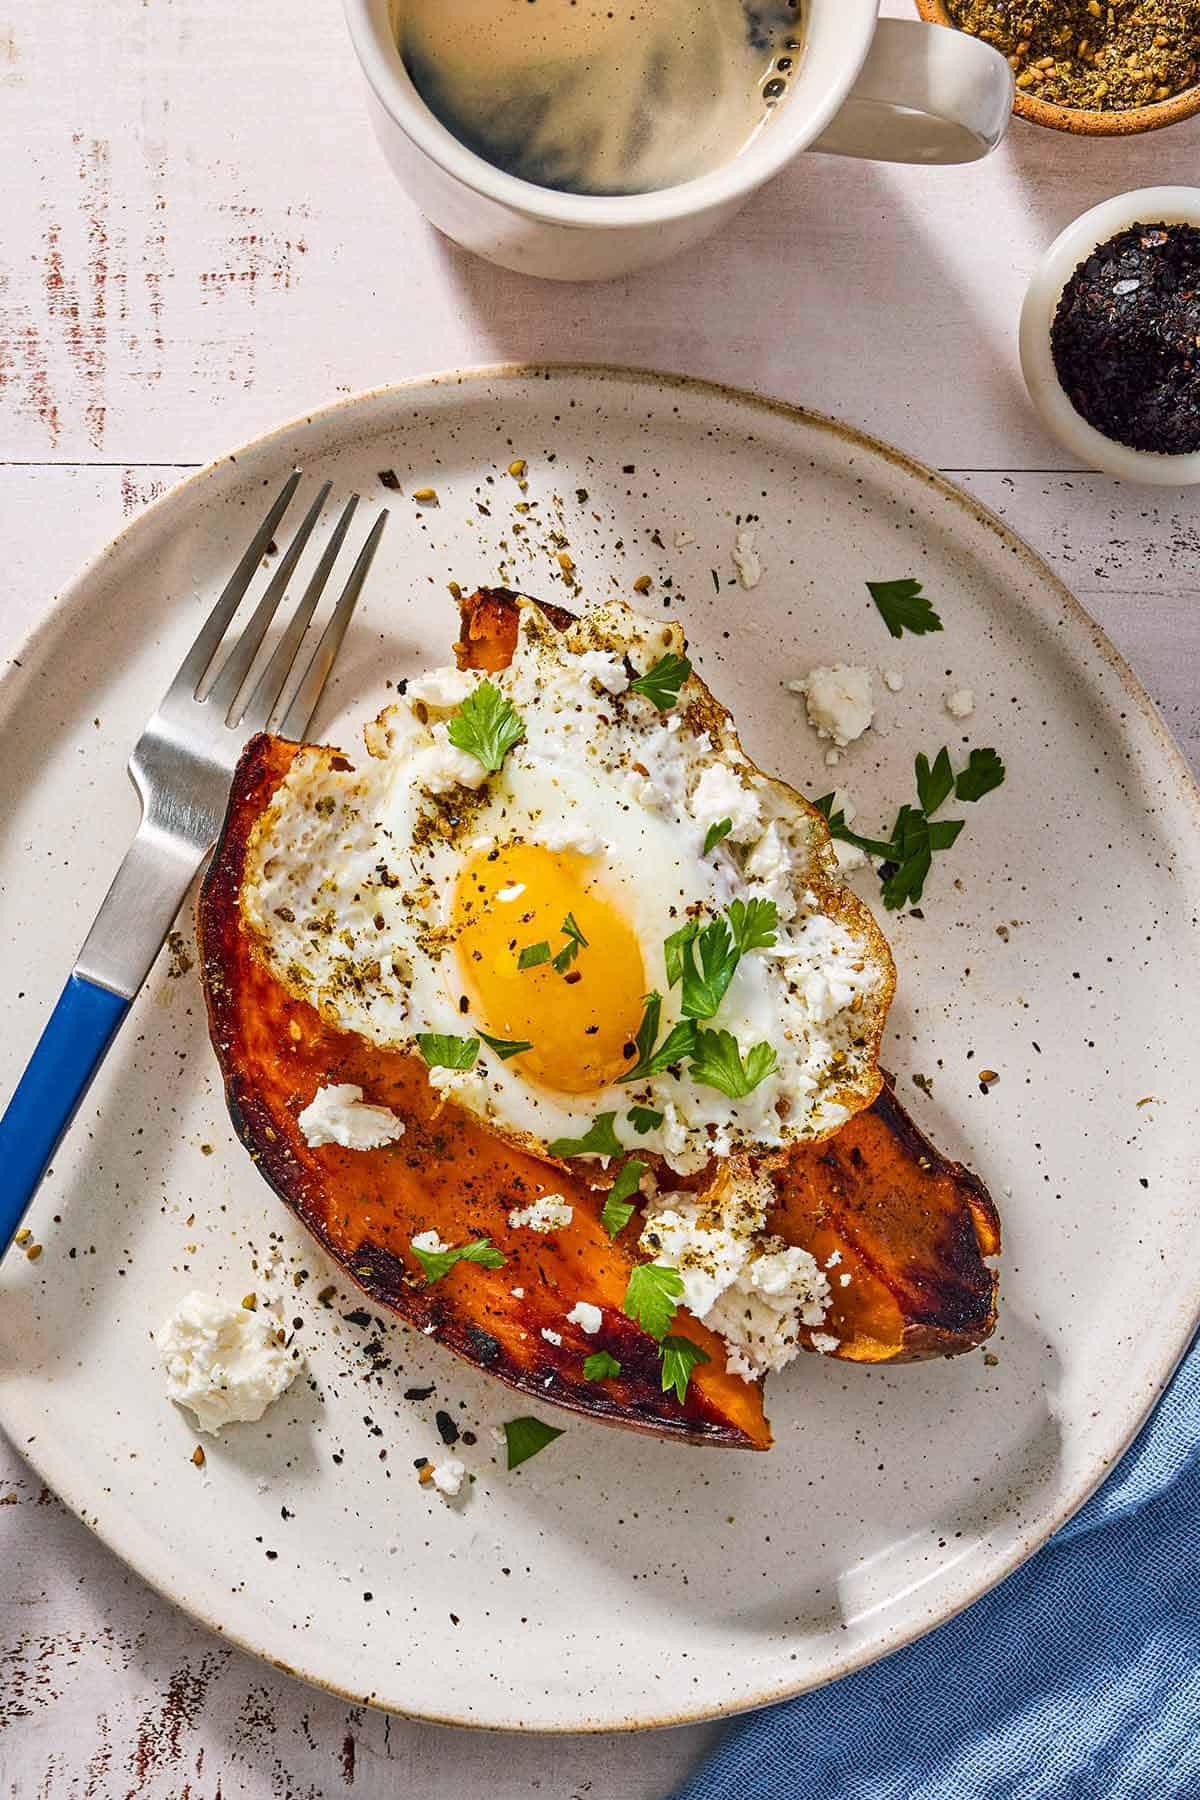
{"x":1168,"y":205}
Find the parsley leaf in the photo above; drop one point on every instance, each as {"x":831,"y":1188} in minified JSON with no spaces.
{"x":753,"y":924}
{"x":505,"y":1047}
{"x":678,"y":1042}
{"x":715,"y":833}
{"x":984,"y":771}
{"x":644,"y":1119}
{"x":525,"y":1437}
{"x":618,"y":1208}
{"x":437,"y":1263}
{"x":601,"y":1140}
{"x":570,"y":950}
{"x":679,"y":1357}
{"x":663,"y":680}
{"x":652,"y":1297}
{"x":934,"y":784}
{"x":534,"y":955}
{"x":717,"y":1063}
{"x":600,"y":1366}
{"x":673,"y":949}
{"x":442,"y":1052}
{"x":705,"y":988}
{"x":904,"y":607}
{"x":486,"y":725}
{"x":907,"y":856}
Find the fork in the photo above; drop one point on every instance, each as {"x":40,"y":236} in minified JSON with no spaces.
{"x":182,"y":767}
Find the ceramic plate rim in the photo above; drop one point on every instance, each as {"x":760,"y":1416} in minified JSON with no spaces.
{"x":120,"y":1532}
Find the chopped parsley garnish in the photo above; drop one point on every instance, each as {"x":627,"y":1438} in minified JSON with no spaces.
{"x":715,"y":833}
{"x":753,"y":923}
{"x":662,"y":681}
{"x":600,"y":1366}
{"x":679,"y":1357}
{"x":525,"y":1437}
{"x":717,"y":1062}
{"x":644,"y":1119}
{"x":652,"y":1298}
{"x":505,"y":1047}
{"x":570,"y":950}
{"x":486,"y":726}
{"x":719,"y":946}
{"x":907,"y":856}
{"x":442,"y":1052}
{"x":534,"y":955}
{"x":618,"y":1207}
{"x":984,"y":771}
{"x":677,"y":1044}
{"x":437,"y":1263}
{"x":904,"y":607}
{"x":601,"y":1140}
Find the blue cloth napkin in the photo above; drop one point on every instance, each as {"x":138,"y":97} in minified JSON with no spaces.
{"x":1077,"y":1679}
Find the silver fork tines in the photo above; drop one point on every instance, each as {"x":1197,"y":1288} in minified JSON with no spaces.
{"x":183,"y":761}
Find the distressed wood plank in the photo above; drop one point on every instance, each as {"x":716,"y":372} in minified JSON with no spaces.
{"x":202,"y":239}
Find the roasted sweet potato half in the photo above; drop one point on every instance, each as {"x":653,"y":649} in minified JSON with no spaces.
{"x":875,"y":1203}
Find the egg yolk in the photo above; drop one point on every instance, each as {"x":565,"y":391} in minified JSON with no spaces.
{"x":580,"y":1017}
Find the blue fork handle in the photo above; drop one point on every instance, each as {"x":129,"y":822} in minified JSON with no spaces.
{"x":59,"y":1074}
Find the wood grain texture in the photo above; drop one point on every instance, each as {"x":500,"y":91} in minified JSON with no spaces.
{"x":200,"y":239}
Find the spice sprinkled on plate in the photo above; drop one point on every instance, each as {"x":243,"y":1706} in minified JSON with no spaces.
{"x":1126,"y":338}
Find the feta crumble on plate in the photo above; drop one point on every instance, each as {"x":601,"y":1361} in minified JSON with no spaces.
{"x":222,"y":1361}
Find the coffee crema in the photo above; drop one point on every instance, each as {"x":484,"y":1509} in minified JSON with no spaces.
{"x":602,"y":96}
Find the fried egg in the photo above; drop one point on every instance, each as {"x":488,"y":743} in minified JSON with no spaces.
{"x":537,"y":930}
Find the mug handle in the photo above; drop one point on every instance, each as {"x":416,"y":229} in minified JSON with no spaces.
{"x":926,"y":94}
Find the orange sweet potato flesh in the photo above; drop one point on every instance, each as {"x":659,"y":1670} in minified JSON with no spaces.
{"x":909,"y":1228}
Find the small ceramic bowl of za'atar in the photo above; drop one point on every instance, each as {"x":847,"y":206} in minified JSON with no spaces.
{"x":1094,"y":69}
{"x":1110,"y":337}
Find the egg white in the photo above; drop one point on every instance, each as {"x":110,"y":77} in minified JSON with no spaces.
{"x":350,"y":875}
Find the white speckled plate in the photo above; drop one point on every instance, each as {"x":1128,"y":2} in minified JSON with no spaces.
{"x":616,"y":1581}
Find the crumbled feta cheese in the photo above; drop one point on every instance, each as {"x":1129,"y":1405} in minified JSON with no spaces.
{"x":439,"y":767}
{"x":441,"y":690}
{"x":448,"y":1476}
{"x":337,"y":1114}
{"x":849,"y":857}
{"x":518,"y":1293}
{"x":466,"y":1086}
{"x":589,"y":1318}
{"x":844,"y":1280}
{"x":960,"y":703}
{"x":838,"y":701}
{"x":550,"y":1212}
{"x":746,"y":558}
{"x":893,"y":680}
{"x":769,"y":866}
{"x":569,"y":834}
{"x":223,"y":1362}
{"x":755,"y":1291}
{"x":551,"y":1337}
{"x":430,"y":1243}
{"x":603,"y":667}
{"x":719,"y":795}
{"x":824,"y":1344}
{"x":833,"y":1259}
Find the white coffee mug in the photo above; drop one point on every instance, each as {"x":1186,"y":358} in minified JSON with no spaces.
{"x":892,"y":89}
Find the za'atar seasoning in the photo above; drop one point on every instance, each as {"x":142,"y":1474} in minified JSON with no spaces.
{"x":1126,"y":338}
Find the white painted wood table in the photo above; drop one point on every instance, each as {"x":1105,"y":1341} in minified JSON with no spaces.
{"x":198,"y":240}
